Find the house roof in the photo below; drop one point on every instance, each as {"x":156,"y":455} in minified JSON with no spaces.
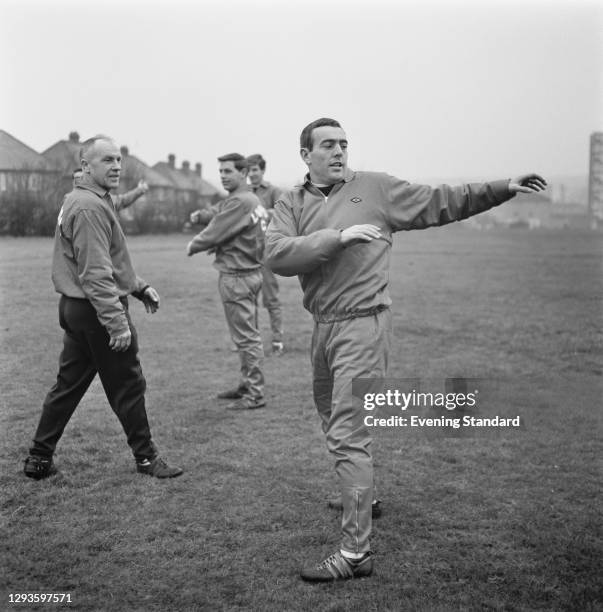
{"x":182,"y":178}
{"x":208,"y":189}
{"x":173,"y":175}
{"x":64,"y":155}
{"x":16,"y":155}
{"x":136,"y":169}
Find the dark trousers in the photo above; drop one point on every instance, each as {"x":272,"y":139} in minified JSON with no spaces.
{"x":85,"y":352}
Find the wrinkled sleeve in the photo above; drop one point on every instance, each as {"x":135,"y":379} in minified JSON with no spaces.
{"x":275,"y":194}
{"x":224,"y":226}
{"x":289,"y":254}
{"x":413,"y":206}
{"x":91,"y":243}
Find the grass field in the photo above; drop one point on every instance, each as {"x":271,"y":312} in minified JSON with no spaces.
{"x":481,"y":522}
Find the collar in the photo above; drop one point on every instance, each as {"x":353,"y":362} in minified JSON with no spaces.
{"x":306,"y":182}
{"x":93,"y":187}
{"x":263,"y":185}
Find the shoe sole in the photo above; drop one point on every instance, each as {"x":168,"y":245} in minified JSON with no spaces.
{"x":37,"y":475}
{"x":226,"y":395}
{"x":331,"y":578}
{"x":315,"y":580}
{"x":237,"y":409}
{"x":40,"y":477}
{"x":161,"y":477}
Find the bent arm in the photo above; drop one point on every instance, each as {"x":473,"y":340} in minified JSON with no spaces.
{"x":91,"y":248}
{"x":289,"y":254}
{"x":224,"y":226}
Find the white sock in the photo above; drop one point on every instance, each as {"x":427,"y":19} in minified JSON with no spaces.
{"x":351,"y":555}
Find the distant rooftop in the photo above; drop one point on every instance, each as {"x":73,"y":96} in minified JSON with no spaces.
{"x":16,"y":155}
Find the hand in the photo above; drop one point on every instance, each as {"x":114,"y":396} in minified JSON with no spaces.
{"x":150,"y":299}
{"x":142,"y":185}
{"x":359,"y":233}
{"x":201,"y":217}
{"x":527,"y":183}
{"x":189,"y":249}
{"x":121,"y":342}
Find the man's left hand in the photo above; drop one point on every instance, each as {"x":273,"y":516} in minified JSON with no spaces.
{"x":527,"y":183}
{"x":142,"y":185}
{"x":150,"y":299}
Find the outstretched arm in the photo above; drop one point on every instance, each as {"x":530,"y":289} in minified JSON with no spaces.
{"x":123,"y":200}
{"x":421,"y":206}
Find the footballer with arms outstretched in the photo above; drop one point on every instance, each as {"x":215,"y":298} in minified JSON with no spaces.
{"x":335,"y":231}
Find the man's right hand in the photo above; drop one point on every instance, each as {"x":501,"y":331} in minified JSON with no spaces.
{"x":359,"y":233}
{"x":121,"y":342}
{"x":201,"y":217}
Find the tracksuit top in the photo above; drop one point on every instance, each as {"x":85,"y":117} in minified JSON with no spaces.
{"x":91,"y":258}
{"x":304,"y":236}
{"x":267,"y":193}
{"x":236,"y":232}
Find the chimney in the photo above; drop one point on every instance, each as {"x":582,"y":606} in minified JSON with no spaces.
{"x":74,"y":137}
{"x":198,"y":169}
{"x":186,"y":166}
{"x":124,"y":151}
{"x":172,"y":161}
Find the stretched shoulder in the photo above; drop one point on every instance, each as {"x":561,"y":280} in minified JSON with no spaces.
{"x":376,"y":178}
{"x":292,"y":195}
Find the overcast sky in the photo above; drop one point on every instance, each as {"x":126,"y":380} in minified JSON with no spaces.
{"x":423,"y":89}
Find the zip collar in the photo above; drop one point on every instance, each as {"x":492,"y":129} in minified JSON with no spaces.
{"x":306,"y":182}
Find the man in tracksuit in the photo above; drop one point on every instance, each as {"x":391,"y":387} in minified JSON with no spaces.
{"x":93,"y":272}
{"x":268,"y":194}
{"x":335,"y":232}
{"x":235,"y":232}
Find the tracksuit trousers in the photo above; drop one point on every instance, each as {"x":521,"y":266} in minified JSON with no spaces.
{"x":239,"y":292}
{"x":85,"y":353}
{"x":342,"y":351}
{"x":272,"y":304}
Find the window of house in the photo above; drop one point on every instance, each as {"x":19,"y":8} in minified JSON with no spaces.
{"x":33,"y":182}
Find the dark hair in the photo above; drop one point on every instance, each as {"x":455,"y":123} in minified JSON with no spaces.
{"x":256,"y":160}
{"x":305,"y":140}
{"x":88,"y":144}
{"x":240,"y":162}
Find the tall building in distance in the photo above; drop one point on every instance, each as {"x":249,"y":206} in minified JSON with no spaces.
{"x":595,"y":180}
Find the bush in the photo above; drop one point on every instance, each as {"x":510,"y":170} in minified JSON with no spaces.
{"x":27,"y":211}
